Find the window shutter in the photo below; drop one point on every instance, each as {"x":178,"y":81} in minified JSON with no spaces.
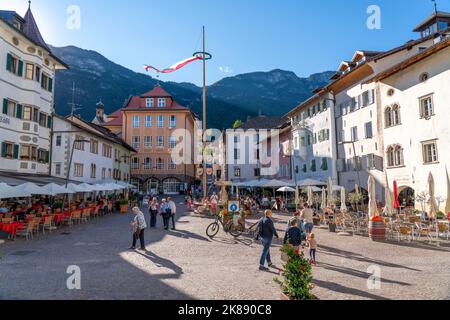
{"x":50,"y":84}
{"x":19,"y":108}
{"x":42,"y":81}
{"x":3,"y":150}
{"x":20,"y":69}
{"x":5,"y":106}
{"x":35,"y":115}
{"x":9,"y":62}
{"x":47,"y":156}
{"x":16,"y":151}
{"x":49,"y":122}
{"x":371,"y":96}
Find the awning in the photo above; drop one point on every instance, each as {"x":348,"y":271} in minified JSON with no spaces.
{"x":15,"y":179}
{"x":33,"y":189}
{"x":7,"y":192}
{"x":310,"y":183}
{"x":56,"y":189}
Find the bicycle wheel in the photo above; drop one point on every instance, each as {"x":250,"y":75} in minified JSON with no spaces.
{"x":235,"y":231}
{"x":212,"y":230}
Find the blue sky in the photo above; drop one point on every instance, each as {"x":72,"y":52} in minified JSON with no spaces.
{"x":243,"y":35}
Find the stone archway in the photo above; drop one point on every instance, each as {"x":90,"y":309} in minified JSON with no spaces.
{"x":153,"y":186}
{"x":406,"y":196}
{"x":171,"y":186}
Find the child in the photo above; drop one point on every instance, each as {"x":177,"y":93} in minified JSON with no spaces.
{"x":312,"y":245}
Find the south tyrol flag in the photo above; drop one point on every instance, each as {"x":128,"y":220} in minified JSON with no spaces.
{"x":176,"y":66}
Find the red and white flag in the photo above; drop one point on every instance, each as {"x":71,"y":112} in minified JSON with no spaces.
{"x":176,"y":66}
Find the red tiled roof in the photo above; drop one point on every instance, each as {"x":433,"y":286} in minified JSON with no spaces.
{"x":116,"y":114}
{"x":118,"y":119}
{"x":157,"y":91}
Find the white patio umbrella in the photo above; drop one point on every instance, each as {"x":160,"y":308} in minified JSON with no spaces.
{"x":373,"y":209}
{"x":310,"y":183}
{"x":88,"y":187}
{"x":33,"y":189}
{"x":7,"y":192}
{"x":77,"y":188}
{"x":310,"y":196}
{"x":324,"y":199}
{"x":330,"y":193}
{"x":286,"y":189}
{"x":343,"y":201}
{"x":389,"y":206}
{"x":433,"y":204}
{"x":56,"y":189}
{"x":103,"y":187}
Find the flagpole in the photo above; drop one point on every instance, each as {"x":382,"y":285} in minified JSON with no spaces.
{"x":205,"y":191}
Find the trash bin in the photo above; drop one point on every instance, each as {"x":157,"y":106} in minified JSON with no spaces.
{"x":332,"y":227}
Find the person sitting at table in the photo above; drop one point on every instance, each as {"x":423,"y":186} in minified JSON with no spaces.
{"x":3,"y":208}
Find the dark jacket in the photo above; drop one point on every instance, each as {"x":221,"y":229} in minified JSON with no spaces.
{"x":293,"y":236}
{"x":267,"y":228}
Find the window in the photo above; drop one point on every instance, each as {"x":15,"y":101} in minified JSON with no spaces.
{"x":237,"y":172}
{"x":369,"y":130}
{"x":93,"y":171}
{"x":388,"y":117}
{"x":161,"y":102}
{"x":172,"y":165}
{"x":9,"y":108}
{"x":94,"y":146}
{"x":9,"y":150}
{"x":237,"y":154}
{"x":365,"y":99}
{"x":430,"y":152}
{"x":172,"y":122}
{"x":395,"y":156}
{"x":257,"y":172}
{"x":302,"y":141}
{"x":79,"y":145}
{"x":42,"y":119}
{"x":396,"y":115}
{"x":136,"y":142}
{"x":14,"y":65}
{"x":103,"y":173}
{"x":35,"y":114}
{"x":136,"y":122}
{"x":371,"y":161}
{"x":58,"y":169}
{"x":296,"y":142}
{"x":426,"y":107}
{"x":172,"y":142}
{"x":42,"y":155}
{"x":149,"y":103}
{"x":424,"y":77}
{"x":160,"y":121}
{"x":160,"y":164}
{"x":46,"y":82}
{"x":29,"y":71}
{"x":391,"y":92}
{"x":341,"y":136}
{"x":148,"y":142}
{"x":107,"y":151}
{"x":148,"y":121}
{"x":354,"y":131}
{"x":134,"y":163}
{"x":148,"y":163}
{"x":37,"y":74}
{"x":160,"y":142}
{"x":78,"y":170}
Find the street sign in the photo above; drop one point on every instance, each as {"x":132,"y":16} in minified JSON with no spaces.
{"x":233,"y":206}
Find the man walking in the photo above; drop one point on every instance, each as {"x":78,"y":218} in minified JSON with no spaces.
{"x":266,"y":232}
{"x":173,"y":209}
{"x":307,"y":216}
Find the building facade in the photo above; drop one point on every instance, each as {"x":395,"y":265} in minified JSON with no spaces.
{"x":155,"y":125}
{"x":98,"y":155}
{"x":27,"y":73}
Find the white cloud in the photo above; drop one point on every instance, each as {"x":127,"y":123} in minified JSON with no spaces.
{"x":226,"y":69}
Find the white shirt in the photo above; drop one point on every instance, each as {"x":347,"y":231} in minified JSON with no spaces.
{"x":308,"y":215}
{"x":139,"y":220}
{"x":173,"y":207}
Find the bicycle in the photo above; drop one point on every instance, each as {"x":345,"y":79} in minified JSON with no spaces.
{"x":213,"y":229}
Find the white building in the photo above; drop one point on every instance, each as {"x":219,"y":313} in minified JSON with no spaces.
{"x":314,"y":138}
{"x":415,"y":98}
{"x":27,"y":72}
{"x":98,"y":155}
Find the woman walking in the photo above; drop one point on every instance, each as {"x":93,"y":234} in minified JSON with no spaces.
{"x":165,"y":213}
{"x":153,"y":209}
{"x":139,"y":225}
{"x":266,"y":233}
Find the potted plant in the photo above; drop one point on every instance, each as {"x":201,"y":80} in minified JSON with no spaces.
{"x":440,"y":215}
{"x":124,"y":204}
{"x":297,"y":283}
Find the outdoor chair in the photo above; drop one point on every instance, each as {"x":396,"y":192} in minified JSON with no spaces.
{"x":443,"y":229}
{"x":7,"y":220}
{"x":76,"y":217}
{"x":424,"y":230}
{"x":26,"y":231}
{"x":48,"y":225}
{"x":85,"y":215}
{"x":36,"y":223}
{"x":30,"y":216}
{"x":405,"y":232}
{"x":67,"y":220}
{"x":95,"y":212}
{"x":8,"y":215}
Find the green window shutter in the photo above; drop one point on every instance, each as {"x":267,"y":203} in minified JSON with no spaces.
{"x":35,"y":115}
{"x":5,"y":106}
{"x":16,"y":151}
{"x":3,"y":150}
{"x":47,"y":156}
{"x":42,"y":81}
{"x":49,"y":122}
{"x":9,"y":62}
{"x":20,"y":69}
{"x":19,"y":109}
{"x":50,"y":84}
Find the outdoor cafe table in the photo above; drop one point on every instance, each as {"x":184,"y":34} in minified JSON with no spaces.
{"x":11,"y":228}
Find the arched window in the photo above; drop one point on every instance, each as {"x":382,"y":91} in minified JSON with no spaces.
{"x":395,"y":115}
{"x":390,"y":157}
{"x":135,"y":163}
{"x":148,"y":163}
{"x":394,"y":156}
{"x":398,"y":155}
{"x":388,"y":117}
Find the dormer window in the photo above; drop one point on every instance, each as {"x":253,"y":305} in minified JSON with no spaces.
{"x":161,"y":103}
{"x":149,"y":103}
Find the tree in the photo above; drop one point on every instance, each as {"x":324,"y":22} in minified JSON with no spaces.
{"x":237,"y":124}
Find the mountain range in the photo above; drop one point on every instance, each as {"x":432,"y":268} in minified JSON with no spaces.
{"x":240,"y":97}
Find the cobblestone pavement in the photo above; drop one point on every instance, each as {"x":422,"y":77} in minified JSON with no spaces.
{"x":185,"y":264}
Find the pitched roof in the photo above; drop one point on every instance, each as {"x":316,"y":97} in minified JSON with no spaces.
{"x":263,"y":122}
{"x":31,"y":29}
{"x":157,"y":91}
{"x":439,"y":14}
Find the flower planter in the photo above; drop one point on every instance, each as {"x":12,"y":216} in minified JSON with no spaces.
{"x":123,"y":208}
{"x":332,"y":227}
{"x":316,"y":222}
{"x":377,"y":231}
